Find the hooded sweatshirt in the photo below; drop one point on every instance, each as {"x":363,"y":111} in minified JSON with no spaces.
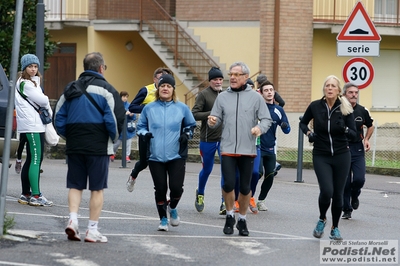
{"x":86,"y":130}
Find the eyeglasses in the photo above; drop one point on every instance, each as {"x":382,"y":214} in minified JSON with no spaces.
{"x":105,"y":67}
{"x":236,"y":74}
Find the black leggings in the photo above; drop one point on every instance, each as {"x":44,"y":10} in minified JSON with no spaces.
{"x":331,"y":173}
{"x":21,"y":146}
{"x":268,"y":162}
{"x":144,"y":153}
{"x":244,"y":164}
{"x":172,"y":173}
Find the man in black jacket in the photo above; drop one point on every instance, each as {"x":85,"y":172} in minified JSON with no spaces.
{"x":356,"y":178}
{"x":209,"y":137}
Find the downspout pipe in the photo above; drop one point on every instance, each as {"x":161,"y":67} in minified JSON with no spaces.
{"x":276,"y":44}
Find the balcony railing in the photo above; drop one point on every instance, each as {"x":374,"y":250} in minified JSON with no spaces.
{"x":66,"y":10}
{"x":381,"y":12}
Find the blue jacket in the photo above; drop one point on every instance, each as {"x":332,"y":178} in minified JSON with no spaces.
{"x":129,"y":118}
{"x":268,"y":140}
{"x":86,"y":130}
{"x":166,"y":121}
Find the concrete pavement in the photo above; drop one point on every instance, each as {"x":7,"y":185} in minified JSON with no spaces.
{"x":280,"y":236}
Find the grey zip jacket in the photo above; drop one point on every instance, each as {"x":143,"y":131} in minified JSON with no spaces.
{"x":239,"y":112}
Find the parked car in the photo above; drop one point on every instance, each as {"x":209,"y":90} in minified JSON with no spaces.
{"x":4,"y":91}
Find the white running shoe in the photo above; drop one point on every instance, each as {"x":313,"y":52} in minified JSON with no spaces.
{"x":130,"y":184}
{"x":163,"y":224}
{"x":261,"y":205}
{"x":40,"y":201}
{"x":72,"y":231}
{"x":174,"y":219}
{"x":95,"y":236}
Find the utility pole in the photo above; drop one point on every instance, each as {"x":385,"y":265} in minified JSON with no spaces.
{"x":10,"y":110}
{"x":40,"y":37}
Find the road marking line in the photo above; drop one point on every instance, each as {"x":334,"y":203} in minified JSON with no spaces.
{"x":18,"y":264}
{"x":142,"y":217}
{"x":155,"y":219}
{"x":74,"y":261}
{"x":157,"y":248}
{"x":251,"y":247}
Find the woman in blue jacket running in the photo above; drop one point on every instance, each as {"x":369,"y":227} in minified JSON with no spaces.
{"x":169,"y":124}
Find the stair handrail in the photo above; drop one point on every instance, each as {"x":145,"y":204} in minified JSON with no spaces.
{"x":179,"y":31}
{"x":189,"y":95}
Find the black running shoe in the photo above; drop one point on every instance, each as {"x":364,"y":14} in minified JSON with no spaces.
{"x":355,"y":203}
{"x":346,"y":215}
{"x":229,"y":223}
{"x":242,"y":227}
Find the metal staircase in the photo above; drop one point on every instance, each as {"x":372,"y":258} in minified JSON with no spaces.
{"x":186,"y":57}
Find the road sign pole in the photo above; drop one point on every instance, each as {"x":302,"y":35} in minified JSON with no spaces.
{"x":10,"y":109}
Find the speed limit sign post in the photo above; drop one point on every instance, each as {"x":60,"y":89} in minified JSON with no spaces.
{"x":359,"y":71}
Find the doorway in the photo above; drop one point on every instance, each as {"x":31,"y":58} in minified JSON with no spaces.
{"x":62,"y":70}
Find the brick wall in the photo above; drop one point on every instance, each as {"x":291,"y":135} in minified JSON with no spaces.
{"x":218,"y":10}
{"x":92,"y":9}
{"x":125,"y":9}
{"x":117,"y":9}
{"x":295,"y":50}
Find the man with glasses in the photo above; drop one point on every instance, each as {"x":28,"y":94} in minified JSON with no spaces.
{"x":244,"y":116}
{"x":145,"y":95}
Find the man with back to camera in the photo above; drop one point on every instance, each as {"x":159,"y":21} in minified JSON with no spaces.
{"x":89,"y":140}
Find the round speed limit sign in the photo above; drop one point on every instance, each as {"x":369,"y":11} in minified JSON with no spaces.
{"x":359,"y":71}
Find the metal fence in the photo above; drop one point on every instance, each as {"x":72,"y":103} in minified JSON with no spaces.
{"x":385,"y":145}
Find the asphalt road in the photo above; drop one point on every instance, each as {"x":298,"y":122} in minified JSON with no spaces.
{"x":280,"y":236}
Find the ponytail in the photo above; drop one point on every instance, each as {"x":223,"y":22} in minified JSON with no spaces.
{"x":345,"y":106}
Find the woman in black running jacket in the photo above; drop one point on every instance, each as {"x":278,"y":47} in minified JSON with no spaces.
{"x":332,"y":125}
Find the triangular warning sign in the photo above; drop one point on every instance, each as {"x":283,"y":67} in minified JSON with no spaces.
{"x":358,"y":27}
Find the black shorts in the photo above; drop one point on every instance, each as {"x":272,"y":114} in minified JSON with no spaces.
{"x":81,"y":166}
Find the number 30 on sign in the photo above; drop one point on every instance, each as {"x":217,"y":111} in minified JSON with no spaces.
{"x":359,"y":71}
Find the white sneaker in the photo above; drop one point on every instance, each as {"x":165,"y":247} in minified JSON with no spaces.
{"x":72,"y":231}
{"x":163,"y":224}
{"x":173,"y":218}
{"x":40,"y":201}
{"x":261,"y":205}
{"x":130,"y":184}
{"x":95,"y":236}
